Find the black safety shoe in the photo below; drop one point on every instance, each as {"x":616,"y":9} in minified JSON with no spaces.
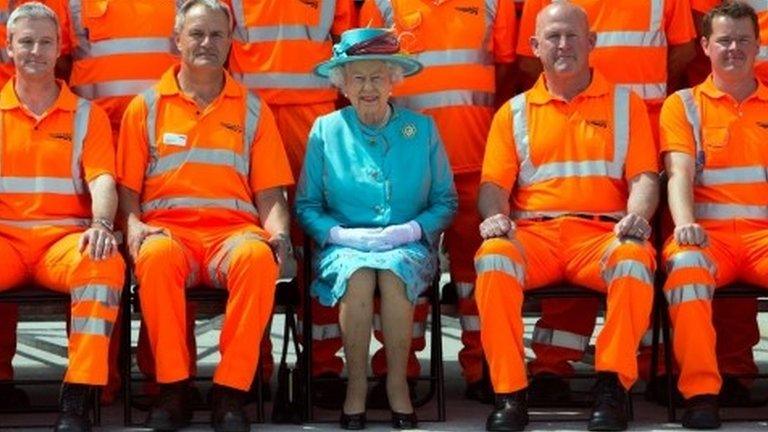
{"x":701,"y":412}
{"x":609,"y":412}
{"x":171,"y":411}
{"x":75,"y":404}
{"x":510,"y":412}
{"x":227,"y":413}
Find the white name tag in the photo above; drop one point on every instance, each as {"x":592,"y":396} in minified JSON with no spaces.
{"x":174,"y":139}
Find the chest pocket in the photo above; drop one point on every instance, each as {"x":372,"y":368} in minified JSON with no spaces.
{"x":715,"y":141}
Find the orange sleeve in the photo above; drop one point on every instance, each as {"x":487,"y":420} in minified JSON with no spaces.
{"x":527,"y":26}
{"x":678,"y":22}
{"x":98,"y":147}
{"x":504,"y":32}
{"x":132,"y":151}
{"x":642,"y":155}
{"x":675,"y":131}
{"x":269,"y":164}
{"x":370,"y":16}
{"x":500,"y":162}
{"x":343,"y":18}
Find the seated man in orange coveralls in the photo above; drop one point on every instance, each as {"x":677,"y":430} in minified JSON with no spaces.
{"x":202,"y":172}
{"x":713,"y":138}
{"x":58,"y":201}
{"x":576,"y":156}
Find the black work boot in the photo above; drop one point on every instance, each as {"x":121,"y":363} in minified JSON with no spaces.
{"x":510,"y":412}
{"x":75,"y":404}
{"x":609,"y":412}
{"x":171,"y":411}
{"x":702,"y":412}
{"x":227,"y":414}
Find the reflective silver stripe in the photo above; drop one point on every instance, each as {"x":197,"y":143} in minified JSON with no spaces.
{"x":690,"y":259}
{"x":385,"y":9}
{"x":219,"y":264}
{"x":735,"y":175}
{"x":628,"y":268}
{"x":320,"y":331}
{"x":220,"y":157}
{"x":454,"y":57}
{"x":318,"y":33}
{"x":465,"y":289}
{"x":46,"y":222}
{"x":150,"y":97}
{"x":446,"y":98}
{"x":693,"y":116}
{"x":497,"y":262}
{"x":272,"y":80}
{"x":730,"y":211}
{"x":251,"y":122}
{"x":79,"y":130}
{"x":689,"y":292}
{"x":530,"y":174}
{"x":113,"y":88}
{"x":648,"y":91}
{"x":91,"y":326}
{"x":762,"y":55}
{"x":653,"y":37}
{"x":491,"y":7}
{"x":53,"y":185}
{"x":96,"y":292}
{"x":136,"y":45}
{"x":758,"y":5}
{"x":4,"y":14}
{"x":522,"y":214}
{"x":647,"y":339}
{"x":470,"y":323}
{"x":190,"y":202}
{"x":559,"y":338}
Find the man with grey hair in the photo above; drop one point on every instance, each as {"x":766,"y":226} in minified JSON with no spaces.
{"x":202,"y":171}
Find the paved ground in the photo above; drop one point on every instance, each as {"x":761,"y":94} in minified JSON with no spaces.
{"x":42,"y":351}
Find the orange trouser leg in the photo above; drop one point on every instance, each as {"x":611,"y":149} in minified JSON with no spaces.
{"x":326,"y":338}
{"x":735,"y":321}
{"x":10,"y":314}
{"x":146,"y":360}
{"x":462,"y":240}
{"x":95,"y":288}
{"x":499,"y":295}
{"x":162,"y":269}
{"x":379,"y":360}
{"x":251,"y":273}
{"x":689,"y":288}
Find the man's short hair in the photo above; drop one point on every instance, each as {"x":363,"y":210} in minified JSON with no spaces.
{"x":33,"y":11}
{"x":214,"y":5}
{"x":731,"y":9}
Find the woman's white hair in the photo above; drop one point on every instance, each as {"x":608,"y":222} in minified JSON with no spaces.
{"x":396,"y":73}
{"x":32,"y":11}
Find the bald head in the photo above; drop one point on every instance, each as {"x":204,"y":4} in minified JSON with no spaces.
{"x":562,"y":40}
{"x":562,"y":10}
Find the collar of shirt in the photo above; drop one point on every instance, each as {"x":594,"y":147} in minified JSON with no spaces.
{"x":709,"y":88}
{"x":169,"y":86}
{"x":67,"y":101}
{"x":540,"y":95}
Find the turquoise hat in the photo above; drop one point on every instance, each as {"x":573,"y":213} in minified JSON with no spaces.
{"x":368,"y":44}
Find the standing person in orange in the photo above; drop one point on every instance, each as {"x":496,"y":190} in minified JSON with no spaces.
{"x":641,"y":45}
{"x":202,"y":173}
{"x":713,"y":143}
{"x":548,"y":150}
{"x":467,"y":50}
{"x":276,"y":45}
{"x":58,"y":201}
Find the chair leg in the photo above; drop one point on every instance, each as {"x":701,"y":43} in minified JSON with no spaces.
{"x":126,"y":356}
{"x":437,"y":350}
{"x":667,"y":339}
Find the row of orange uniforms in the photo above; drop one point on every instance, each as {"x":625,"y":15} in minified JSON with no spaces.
{"x":536,"y":148}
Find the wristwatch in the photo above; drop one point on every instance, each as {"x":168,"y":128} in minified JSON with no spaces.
{"x":106,"y":223}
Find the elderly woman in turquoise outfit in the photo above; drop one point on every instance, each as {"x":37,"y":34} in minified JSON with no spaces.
{"x":375,"y":193}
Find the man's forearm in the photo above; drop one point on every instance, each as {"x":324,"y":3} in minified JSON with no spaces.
{"x":129,"y":204}
{"x":103,"y":197}
{"x":492,"y":200}
{"x":273,"y":210}
{"x":644,"y":196}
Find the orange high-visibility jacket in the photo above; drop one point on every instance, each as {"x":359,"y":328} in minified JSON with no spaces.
{"x":632,"y":39}
{"x":186,"y":161}
{"x":46,"y":164}
{"x":278,"y":43}
{"x":727,"y":141}
{"x":555,"y":154}
{"x":459,"y":44}
{"x":121,"y":48}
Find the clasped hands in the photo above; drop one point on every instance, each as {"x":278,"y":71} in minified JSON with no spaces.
{"x":375,"y":239}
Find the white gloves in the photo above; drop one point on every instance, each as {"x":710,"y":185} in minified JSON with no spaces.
{"x":375,"y":239}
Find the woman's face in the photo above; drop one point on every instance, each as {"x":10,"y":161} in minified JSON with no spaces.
{"x":368,"y":85}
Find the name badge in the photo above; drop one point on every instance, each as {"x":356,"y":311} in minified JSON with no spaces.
{"x":174,"y":139}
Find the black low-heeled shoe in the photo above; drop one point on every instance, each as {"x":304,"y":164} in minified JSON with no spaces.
{"x":352,"y":421}
{"x":404,"y":421}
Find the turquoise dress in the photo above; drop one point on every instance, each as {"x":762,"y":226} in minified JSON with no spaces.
{"x":358,"y":176}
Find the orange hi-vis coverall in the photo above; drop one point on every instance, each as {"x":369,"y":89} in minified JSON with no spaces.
{"x":275,"y":49}
{"x":120,"y":48}
{"x":197,"y":171}
{"x":552,"y":155}
{"x":727,"y":141}
{"x":459,"y":43}
{"x":631,"y":50}
{"x":45,"y":207}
